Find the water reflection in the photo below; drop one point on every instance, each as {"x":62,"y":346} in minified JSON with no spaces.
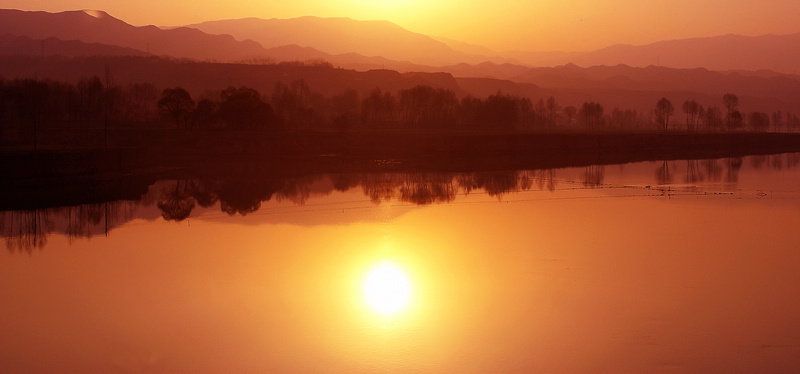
{"x":243,"y":192}
{"x":27,"y":230}
{"x":387,"y":289}
{"x":501,"y":271}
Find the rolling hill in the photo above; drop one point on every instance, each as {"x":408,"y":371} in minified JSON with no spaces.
{"x":338,"y":36}
{"x":780,"y":53}
{"x":99,"y":27}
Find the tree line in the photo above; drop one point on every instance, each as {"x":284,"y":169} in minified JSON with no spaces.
{"x":729,"y":118}
{"x":27,"y":103}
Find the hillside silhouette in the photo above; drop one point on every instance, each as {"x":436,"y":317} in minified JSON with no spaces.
{"x":779,"y":53}
{"x":25,"y":46}
{"x":100,"y":27}
{"x":338,"y":36}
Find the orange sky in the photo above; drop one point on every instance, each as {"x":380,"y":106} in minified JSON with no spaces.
{"x":502,"y":25}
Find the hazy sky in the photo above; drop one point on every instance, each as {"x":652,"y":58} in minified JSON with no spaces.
{"x":499,"y":24}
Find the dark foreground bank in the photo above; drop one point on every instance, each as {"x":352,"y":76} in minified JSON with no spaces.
{"x":332,"y":152}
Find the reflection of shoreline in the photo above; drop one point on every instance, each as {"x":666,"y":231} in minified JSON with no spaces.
{"x":243,"y":192}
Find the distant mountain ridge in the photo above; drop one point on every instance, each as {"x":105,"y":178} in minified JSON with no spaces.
{"x":382,"y":44}
{"x":23,"y":45}
{"x":780,"y":53}
{"x":99,"y":27}
{"x":337,"y":36}
{"x":95,"y":33}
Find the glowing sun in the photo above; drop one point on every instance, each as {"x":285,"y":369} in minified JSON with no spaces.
{"x":387,"y":289}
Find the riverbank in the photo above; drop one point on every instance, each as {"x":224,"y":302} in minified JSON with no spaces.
{"x":304,"y":153}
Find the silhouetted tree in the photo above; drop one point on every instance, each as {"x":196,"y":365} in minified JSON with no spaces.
{"x":758,"y":121}
{"x":141,"y":102}
{"x":175,"y":103}
{"x":622,"y":119}
{"x":539,"y":114}
{"x":502,"y":110}
{"x":713,"y":118}
{"x":425,"y":105}
{"x":205,"y":113}
{"x":471,"y":112}
{"x":90,"y":96}
{"x":692,"y":109}
{"x":733,"y":118}
{"x":297,"y":106}
{"x":378,"y":107}
{"x":570,"y":112}
{"x":552,"y":109}
{"x":242,"y":108}
{"x":345,"y":109}
{"x":592,"y":115}
{"x":777,"y":120}
{"x":663,"y":111}
{"x":792,"y":122}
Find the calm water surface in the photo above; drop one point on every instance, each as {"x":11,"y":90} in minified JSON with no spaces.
{"x":655,"y":267}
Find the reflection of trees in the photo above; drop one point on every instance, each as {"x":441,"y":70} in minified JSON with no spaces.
{"x":495,"y":184}
{"x":663,"y":175}
{"x":427,"y":188}
{"x":776,"y":161}
{"x":734,"y":164}
{"x":546,"y":178}
{"x":25,"y":230}
{"x":792,"y":160}
{"x":244,"y":194}
{"x":379,"y":187}
{"x":84,"y":220}
{"x":713,"y":170}
{"x":296,"y":190}
{"x":203,"y":193}
{"x":176,"y":203}
{"x":758,"y":161}
{"x":343,"y":182}
{"x":594,"y":175}
{"x":693,"y":172}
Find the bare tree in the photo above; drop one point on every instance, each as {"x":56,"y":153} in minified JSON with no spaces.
{"x":777,"y":120}
{"x":592,"y":114}
{"x":692,"y":109}
{"x":552,"y":108}
{"x":664,"y":110}
{"x":570,"y":112}
{"x":758,"y":121}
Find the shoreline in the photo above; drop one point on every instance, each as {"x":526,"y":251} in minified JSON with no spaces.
{"x":199,"y":151}
{"x":48,"y":178}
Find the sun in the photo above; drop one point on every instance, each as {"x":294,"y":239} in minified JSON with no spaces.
{"x":387,"y":289}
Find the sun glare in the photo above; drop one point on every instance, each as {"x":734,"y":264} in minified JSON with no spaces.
{"x":387,"y":289}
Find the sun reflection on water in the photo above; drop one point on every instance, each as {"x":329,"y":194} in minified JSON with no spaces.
{"x":387,"y":289}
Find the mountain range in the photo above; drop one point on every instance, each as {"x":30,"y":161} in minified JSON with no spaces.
{"x":382,"y":44}
{"x":759,"y":68}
